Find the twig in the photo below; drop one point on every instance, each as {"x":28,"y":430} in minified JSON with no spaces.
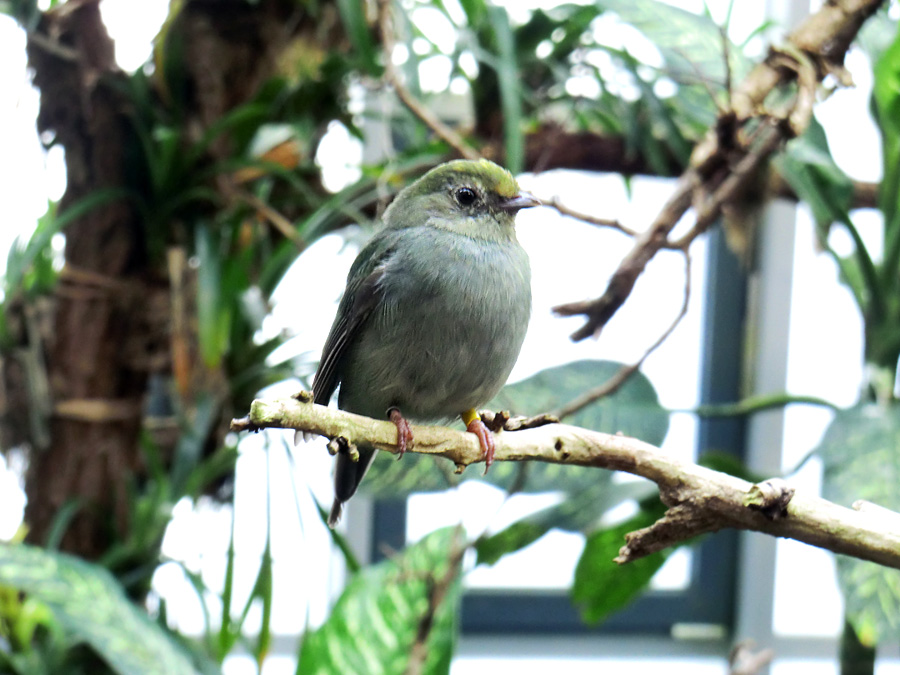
{"x":747,"y":659}
{"x":613,"y":384}
{"x":699,"y":499}
{"x":444,"y":132}
{"x":709,"y":211}
{"x":622,"y":281}
{"x":275,"y":218}
{"x":815,"y":49}
{"x":554,"y":203}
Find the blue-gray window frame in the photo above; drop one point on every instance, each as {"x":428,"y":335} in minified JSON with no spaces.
{"x":710,"y":596}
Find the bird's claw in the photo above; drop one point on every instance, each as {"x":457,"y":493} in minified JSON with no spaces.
{"x":404,"y":432}
{"x":485,"y":438}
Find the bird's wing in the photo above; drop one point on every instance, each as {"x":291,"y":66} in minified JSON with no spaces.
{"x":362,"y":296}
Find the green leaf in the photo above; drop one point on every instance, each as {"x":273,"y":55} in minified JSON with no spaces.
{"x":384,"y":608}
{"x":877,"y":34}
{"x":633,"y":410}
{"x":90,"y":605}
{"x":517,"y":536}
{"x":691,"y":44}
{"x":339,"y":540}
{"x":22,"y":256}
{"x":808,"y":167}
{"x":510,"y":90}
{"x":886,"y":99}
{"x":353,"y":16}
{"x":242,"y":120}
{"x":576,"y":512}
{"x":725,"y":462}
{"x":475,"y":11}
{"x":861,"y":456}
{"x":213,"y":313}
{"x":601,"y":586}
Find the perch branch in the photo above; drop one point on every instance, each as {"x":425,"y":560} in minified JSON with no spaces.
{"x":699,"y":500}
{"x":725,"y":162}
{"x":432,"y":121}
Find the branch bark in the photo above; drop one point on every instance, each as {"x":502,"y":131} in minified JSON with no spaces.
{"x":737,"y":146}
{"x":699,"y":500}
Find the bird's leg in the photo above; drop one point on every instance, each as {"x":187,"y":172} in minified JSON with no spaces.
{"x":404,"y":433}
{"x":474,"y":425}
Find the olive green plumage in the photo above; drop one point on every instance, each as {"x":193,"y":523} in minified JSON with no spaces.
{"x":435,"y":309}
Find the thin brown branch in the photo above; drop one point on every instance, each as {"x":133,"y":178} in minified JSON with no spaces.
{"x":275,"y":218}
{"x":699,"y":499}
{"x":623,"y":279}
{"x":747,"y":658}
{"x":432,"y":121}
{"x":710,"y":209}
{"x":550,"y":147}
{"x":723,"y":164}
{"x":554,"y":203}
{"x":612,"y":385}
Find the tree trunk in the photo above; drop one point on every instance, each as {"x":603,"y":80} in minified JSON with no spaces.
{"x":96,"y":390}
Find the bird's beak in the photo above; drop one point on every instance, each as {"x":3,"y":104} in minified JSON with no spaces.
{"x":521,"y":201}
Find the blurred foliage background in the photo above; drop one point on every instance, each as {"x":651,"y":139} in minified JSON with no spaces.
{"x":193,"y":185}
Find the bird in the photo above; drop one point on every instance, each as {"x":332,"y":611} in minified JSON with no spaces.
{"x":434,"y":312}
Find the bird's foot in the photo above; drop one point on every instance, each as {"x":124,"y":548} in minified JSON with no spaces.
{"x":404,"y":433}
{"x":474,"y":425}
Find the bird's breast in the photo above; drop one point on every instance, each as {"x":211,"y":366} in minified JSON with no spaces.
{"x":448,"y":331}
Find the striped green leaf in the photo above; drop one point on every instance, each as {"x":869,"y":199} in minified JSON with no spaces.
{"x":92,"y":607}
{"x":390,"y":612}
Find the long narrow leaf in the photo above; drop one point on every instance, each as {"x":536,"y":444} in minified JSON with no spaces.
{"x":213,"y":314}
{"x":353,"y":16}
{"x":510,"y":89}
{"x":22,"y":257}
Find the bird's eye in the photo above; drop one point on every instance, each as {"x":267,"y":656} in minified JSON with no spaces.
{"x":465,"y":196}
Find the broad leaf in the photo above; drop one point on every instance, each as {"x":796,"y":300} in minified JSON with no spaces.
{"x":601,"y":586}
{"x":91,"y":606}
{"x":808,"y":167}
{"x":384,"y":611}
{"x":578,"y":511}
{"x":861,"y":454}
{"x":633,"y":410}
{"x":692,"y":45}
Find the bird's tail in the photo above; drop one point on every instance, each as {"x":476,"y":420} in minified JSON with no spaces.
{"x":347,"y":477}
{"x":335,"y":516}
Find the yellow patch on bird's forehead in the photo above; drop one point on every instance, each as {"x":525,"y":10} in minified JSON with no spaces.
{"x":497,"y":179}
{"x":482,"y":172}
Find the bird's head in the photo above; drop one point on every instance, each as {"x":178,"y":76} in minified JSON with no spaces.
{"x":476,"y":198}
